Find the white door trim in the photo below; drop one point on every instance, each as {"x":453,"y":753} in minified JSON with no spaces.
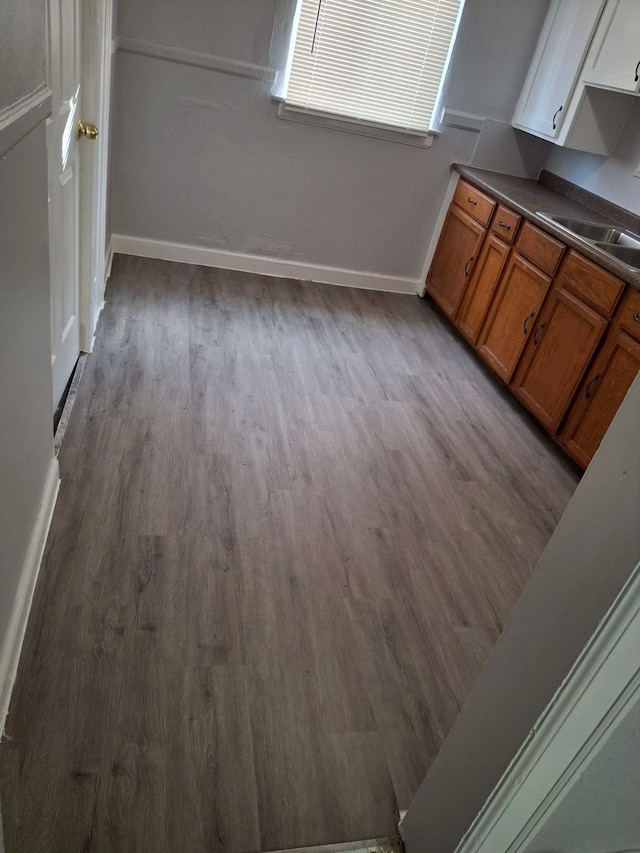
{"x":96,"y":100}
{"x":576,"y":724}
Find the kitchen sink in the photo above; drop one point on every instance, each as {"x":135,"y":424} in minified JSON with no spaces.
{"x":629,"y":255}
{"x":590,"y":230}
{"x":616,"y":242}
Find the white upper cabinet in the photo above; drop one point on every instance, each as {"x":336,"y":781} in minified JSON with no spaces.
{"x":585,"y":68}
{"x":556,"y":66}
{"x":613,"y":62}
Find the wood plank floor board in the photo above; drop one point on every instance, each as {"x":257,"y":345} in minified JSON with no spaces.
{"x":293,"y":521}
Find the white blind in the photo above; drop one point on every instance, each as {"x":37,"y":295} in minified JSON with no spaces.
{"x":378,"y":61}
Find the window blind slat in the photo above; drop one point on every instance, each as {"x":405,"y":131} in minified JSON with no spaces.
{"x":375,"y":60}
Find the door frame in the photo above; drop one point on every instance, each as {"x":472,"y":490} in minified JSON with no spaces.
{"x":598,"y":692}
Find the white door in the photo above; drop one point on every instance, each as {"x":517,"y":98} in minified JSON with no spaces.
{"x":64,"y":58}
{"x":79,"y":55}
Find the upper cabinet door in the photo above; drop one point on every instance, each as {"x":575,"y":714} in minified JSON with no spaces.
{"x":614,"y":59}
{"x":556,"y":65}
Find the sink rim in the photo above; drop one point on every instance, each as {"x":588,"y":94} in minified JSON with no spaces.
{"x":602,"y":246}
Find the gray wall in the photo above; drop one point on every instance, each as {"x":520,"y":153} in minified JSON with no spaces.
{"x":22,"y":59}
{"x":25,"y":352}
{"x":492,"y":55}
{"x":600,"y":812}
{"x":201,"y":158}
{"x":592,"y":552}
{"x":610,"y":177}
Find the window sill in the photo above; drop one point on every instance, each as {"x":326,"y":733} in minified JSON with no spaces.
{"x":346,"y":125}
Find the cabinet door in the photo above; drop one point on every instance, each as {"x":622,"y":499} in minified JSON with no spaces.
{"x":603,"y":390}
{"x":484,"y":281}
{"x":512,"y":315}
{"x":614,"y":59}
{"x":453,"y":260}
{"x":558,"y":353}
{"x":556,"y":65}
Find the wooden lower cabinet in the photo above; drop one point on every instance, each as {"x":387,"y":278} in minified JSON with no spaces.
{"x":559,"y":350}
{"x":603,"y":390}
{"x":512,"y":315}
{"x":538,"y":315}
{"x":484,"y":281}
{"x":457,"y":249}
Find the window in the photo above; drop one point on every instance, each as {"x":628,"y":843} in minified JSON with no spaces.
{"x":378,"y":62}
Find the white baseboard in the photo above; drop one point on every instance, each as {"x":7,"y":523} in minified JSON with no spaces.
{"x":12,"y":644}
{"x":260,"y":264}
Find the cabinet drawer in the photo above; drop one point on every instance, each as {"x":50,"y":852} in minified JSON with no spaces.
{"x":505,"y":224}
{"x":474,"y":202}
{"x":591,"y":283}
{"x":539,"y":248}
{"x":628,"y":316}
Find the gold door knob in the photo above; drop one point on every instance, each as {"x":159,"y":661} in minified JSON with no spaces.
{"x":90,"y":131}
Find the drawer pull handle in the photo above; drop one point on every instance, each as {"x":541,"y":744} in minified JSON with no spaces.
{"x":526,"y":322}
{"x":504,"y":225}
{"x":636,"y":316}
{"x":555,"y":116}
{"x":637,"y":70}
{"x":587,"y":393}
{"x":471,"y":201}
{"x":538,"y":330}
{"x":466,"y":267}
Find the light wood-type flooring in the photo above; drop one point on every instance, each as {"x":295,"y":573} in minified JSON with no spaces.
{"x":293,"y":521}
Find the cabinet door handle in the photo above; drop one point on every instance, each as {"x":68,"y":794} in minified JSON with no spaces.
{"x":538,"y":330}
{"x":466,"y":267}
{"x":637,"y":70}
{"x":471,"y":201}
{"x":504,"y":225}
{"x":587,"y":392}
{"x":525,"y":325}
{"x":555,"y":116}
{"x":636,"y":316}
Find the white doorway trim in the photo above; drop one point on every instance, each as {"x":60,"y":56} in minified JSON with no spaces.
{"x":96,"y":100}
{"x":600,"y":688}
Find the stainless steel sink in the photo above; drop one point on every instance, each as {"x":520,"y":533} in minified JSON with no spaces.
{"x":629,"y":255}
{"x":591,"y":230}
{"x":616,"y":242}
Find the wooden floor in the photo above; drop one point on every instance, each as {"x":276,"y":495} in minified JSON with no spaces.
{"x":292,"y":523}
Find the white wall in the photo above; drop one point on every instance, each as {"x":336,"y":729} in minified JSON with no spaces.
{"x":201,"y":158}
{"x":593,"y":551}
{"x":610,"y":177}
{"x":26,"y":441}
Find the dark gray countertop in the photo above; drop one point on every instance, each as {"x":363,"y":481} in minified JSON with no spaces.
{"x":529,"y":197}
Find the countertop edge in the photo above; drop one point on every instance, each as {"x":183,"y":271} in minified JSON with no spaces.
{"x":602,"y":259}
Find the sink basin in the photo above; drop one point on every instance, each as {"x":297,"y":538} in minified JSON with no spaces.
{"x":590,"y":230}
{"x":617,"y":243}
{"x":625,"y":239}
{"x":629,"y":255}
